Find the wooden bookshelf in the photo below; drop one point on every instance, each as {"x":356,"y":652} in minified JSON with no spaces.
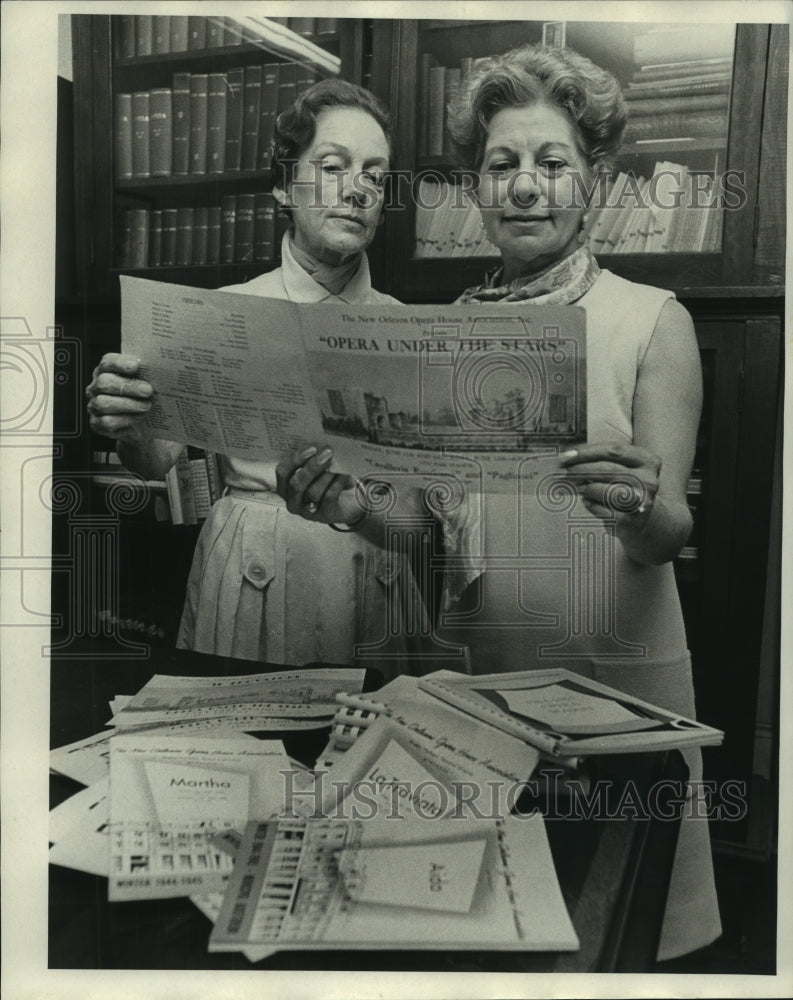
{"x":611,"y":45}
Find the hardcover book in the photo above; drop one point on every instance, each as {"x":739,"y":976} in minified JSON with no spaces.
{"x":216,"y":123}
{"x":199,"y":83}
{"x":181,"y":123}
{"x":250,"y":116}
{"x":161,"y":132}
{"x":235,"y":79}
{"x":140,"y":134}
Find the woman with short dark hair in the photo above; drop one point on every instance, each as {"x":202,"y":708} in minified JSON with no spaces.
{"x":265,"y":585}
{"x":538,"y":126}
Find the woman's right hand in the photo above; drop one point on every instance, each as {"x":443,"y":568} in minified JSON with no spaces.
{"x":118,"y":400}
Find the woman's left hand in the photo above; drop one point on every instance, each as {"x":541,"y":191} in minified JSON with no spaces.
{"x":614,"y":478}
{"x":314,"y":493}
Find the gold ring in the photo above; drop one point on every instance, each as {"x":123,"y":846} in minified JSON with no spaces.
{"x":310,"y":506}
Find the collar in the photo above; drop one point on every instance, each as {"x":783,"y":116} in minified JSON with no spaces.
{"x":301,"y":287}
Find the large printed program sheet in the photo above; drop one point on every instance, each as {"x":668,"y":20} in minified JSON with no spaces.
{"x":460,"y":395}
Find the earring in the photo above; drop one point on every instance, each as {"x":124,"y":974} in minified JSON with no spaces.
{"x":582,"y":237}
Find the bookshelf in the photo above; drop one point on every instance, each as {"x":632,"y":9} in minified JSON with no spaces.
{"x":735,"y":291}
{"x":725,"y":141}
{"x":154,"y":538}
{"x":211,"y":98}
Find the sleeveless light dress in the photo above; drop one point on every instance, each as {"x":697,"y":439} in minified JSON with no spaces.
{"x":564,"y":593}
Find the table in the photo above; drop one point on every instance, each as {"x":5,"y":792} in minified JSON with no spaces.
{"x":614,"y":872}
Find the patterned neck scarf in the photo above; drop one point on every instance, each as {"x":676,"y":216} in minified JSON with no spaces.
{"x":558,"y":285}
{"x":332,"y":277}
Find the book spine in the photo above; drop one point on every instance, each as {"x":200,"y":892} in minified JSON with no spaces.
{"x":694,"y":123}
{"x":185,"y":485}
{"x":143,"y":34}
{"x":213,"y":234}
{"x":199,"y":481}
{"x":155,"y":238}
{"x":287,"y":86}
{"x":667,"y":105}
{"x":139,"y":237}
{"x":160,"y":34}
{"x":169,"y":219}
{"x":250,"y":117}
{"x":184,"y":237}
{"x":214,"y":33}
{"x":214,"y":476}
{"x":198,"y":123}
{"x":327,"y":25}
{"x":161,"y":132}
{"x":200,"y":234}
{"x":140,"y":135}
{"x":181,"y":123}
{"x":179,"y":32}
{"x":678,"y":88}
{"x":435,"y":111}
{"x":126,"y":36}
{"x":263,"y":227}
{"x":174,"y":500}
{"x":123,"y":137}
{"x":196,"y":33}
{"x":267,"y":111}
{"x":243,"y":228}
{"x":234,"y":113}
{"x":228,"y":207}
{"x":216,"y":123}
{"x":695,"y":67}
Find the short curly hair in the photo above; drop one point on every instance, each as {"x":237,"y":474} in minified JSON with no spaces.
{"x":589,"y":95}
{"x":294,"y":128}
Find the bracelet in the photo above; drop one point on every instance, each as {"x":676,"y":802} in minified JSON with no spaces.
{"x":347,"y":529}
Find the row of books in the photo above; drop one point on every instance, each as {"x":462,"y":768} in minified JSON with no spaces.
{"x":437,"y":87}
{"x":186,"y":494}
{"x":243,"y":229}
{"x":448,"y":223}
{"x":680,"y":89}
{"x":163,"y":34}
{"x":193,"y":484}
{"x":205,"y":123}
{"x":673,"y":211}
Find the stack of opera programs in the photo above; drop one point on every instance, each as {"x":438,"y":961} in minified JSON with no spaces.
{"x":403,"y":836}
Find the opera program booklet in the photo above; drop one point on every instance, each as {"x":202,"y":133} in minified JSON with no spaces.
{"x":456,"y":397}
{"x":564,"y":714}
{"x":390,"y":884}
{"x":170,"y":798}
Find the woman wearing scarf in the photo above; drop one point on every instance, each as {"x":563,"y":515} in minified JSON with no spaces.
{"x":265,"y":585}
{"x":538,"y":126}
